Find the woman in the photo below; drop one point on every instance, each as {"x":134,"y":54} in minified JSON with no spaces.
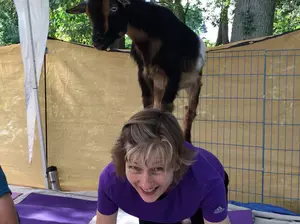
{"x":8,"y":213}
{"x":159,"y":178}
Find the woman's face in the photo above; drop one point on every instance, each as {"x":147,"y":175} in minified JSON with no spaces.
{"x":149,"y":181}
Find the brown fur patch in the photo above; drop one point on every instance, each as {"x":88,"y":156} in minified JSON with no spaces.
{"x":189,"y":65}
{"x":152,"y":49}
{"x":145,"y":46}
{"x":105,"y":13}
{"x":190,"y":75}
{"x":155,"y":45}
{"x":160,"y":81}
{"x":135,"y":34}
{"x":193,"y":92}
{"x":158,"y":95}
{"x":87,"y":11}
{"x":159,"y":77}
{"x":147,"y":101}
{"x":188,"y":79}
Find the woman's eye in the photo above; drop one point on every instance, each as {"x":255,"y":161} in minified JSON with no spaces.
{"x":158,"y":169}
{"x":134,"y":168}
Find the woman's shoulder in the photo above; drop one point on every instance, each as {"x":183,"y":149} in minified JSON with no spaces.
{"x":112,"y":188}
{"x":207,"y":166}
{"x":108,"y":177}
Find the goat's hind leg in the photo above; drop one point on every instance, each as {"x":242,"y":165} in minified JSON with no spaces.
{"x":193,"y":92}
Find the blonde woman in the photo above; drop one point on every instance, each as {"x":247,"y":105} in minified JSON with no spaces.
{"x":159,"y":178}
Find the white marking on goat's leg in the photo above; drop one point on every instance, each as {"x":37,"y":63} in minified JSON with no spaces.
{"x":147,"y":92}
{"x":193,"y":94}
{"x":158,"y":95}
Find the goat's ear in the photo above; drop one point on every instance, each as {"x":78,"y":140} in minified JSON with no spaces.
{"x":78,"y":9}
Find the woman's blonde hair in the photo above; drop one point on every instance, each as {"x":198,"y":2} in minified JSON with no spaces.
{"x":153,"y":132}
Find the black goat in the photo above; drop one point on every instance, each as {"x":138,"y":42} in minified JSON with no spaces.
{"x":169,"y":55}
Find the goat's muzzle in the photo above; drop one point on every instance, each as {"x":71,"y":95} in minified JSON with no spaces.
{"x":103,"y":42}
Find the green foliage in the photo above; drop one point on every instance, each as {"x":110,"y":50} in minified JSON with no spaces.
{"x":208,"y":43}
{"x":192,"y":13}
{"x":128,"y":42}
{"x":194,"y":18}
{"x":287,"y":16}
{"x":211,"y":7}
{"x":9,"y":33}
{"x":77,"y":28}
{"x":68,"y":27}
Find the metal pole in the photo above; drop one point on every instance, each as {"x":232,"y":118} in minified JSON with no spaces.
{"x":35,"y":88}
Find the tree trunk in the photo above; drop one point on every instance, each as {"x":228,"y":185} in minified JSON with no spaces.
{"x":253,"y":18}
{"x":223,"y":26}
{"x":222,"y":34}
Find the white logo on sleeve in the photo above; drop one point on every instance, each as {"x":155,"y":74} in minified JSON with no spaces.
{"x":219,"y":210}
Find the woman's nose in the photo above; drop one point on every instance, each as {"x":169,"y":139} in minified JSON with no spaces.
{"x":145,"y":180}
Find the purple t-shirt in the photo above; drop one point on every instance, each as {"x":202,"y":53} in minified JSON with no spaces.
{"x":201,"y":187}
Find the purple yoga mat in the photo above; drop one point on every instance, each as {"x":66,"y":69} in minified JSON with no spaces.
{"x":238,"y":217}
{"x":14,"y":195}
{"x":49,"y":209}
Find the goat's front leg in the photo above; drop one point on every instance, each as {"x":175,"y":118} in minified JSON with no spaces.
{"x":190,"y":111}
{"x":159,"y":85}
{"x":146,"y":86}
{"x":166,"y":84}
{"x":171,"y":89}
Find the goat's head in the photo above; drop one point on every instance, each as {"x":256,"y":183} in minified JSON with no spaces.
{"x":107,"y":17}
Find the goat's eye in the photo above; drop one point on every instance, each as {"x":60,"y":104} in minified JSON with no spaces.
{"x":114,"y":9}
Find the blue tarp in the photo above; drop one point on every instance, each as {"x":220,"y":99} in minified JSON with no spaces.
{"x":264,"y":208}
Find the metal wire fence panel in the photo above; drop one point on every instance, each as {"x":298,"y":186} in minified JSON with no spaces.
{"x":248,"y":115}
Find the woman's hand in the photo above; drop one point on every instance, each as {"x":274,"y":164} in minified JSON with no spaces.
{"x":225,"y":221}
{"x":8,"y":213}
{"x":106,"y":219}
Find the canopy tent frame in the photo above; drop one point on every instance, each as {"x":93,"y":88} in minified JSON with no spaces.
{"x":33,"y":22}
